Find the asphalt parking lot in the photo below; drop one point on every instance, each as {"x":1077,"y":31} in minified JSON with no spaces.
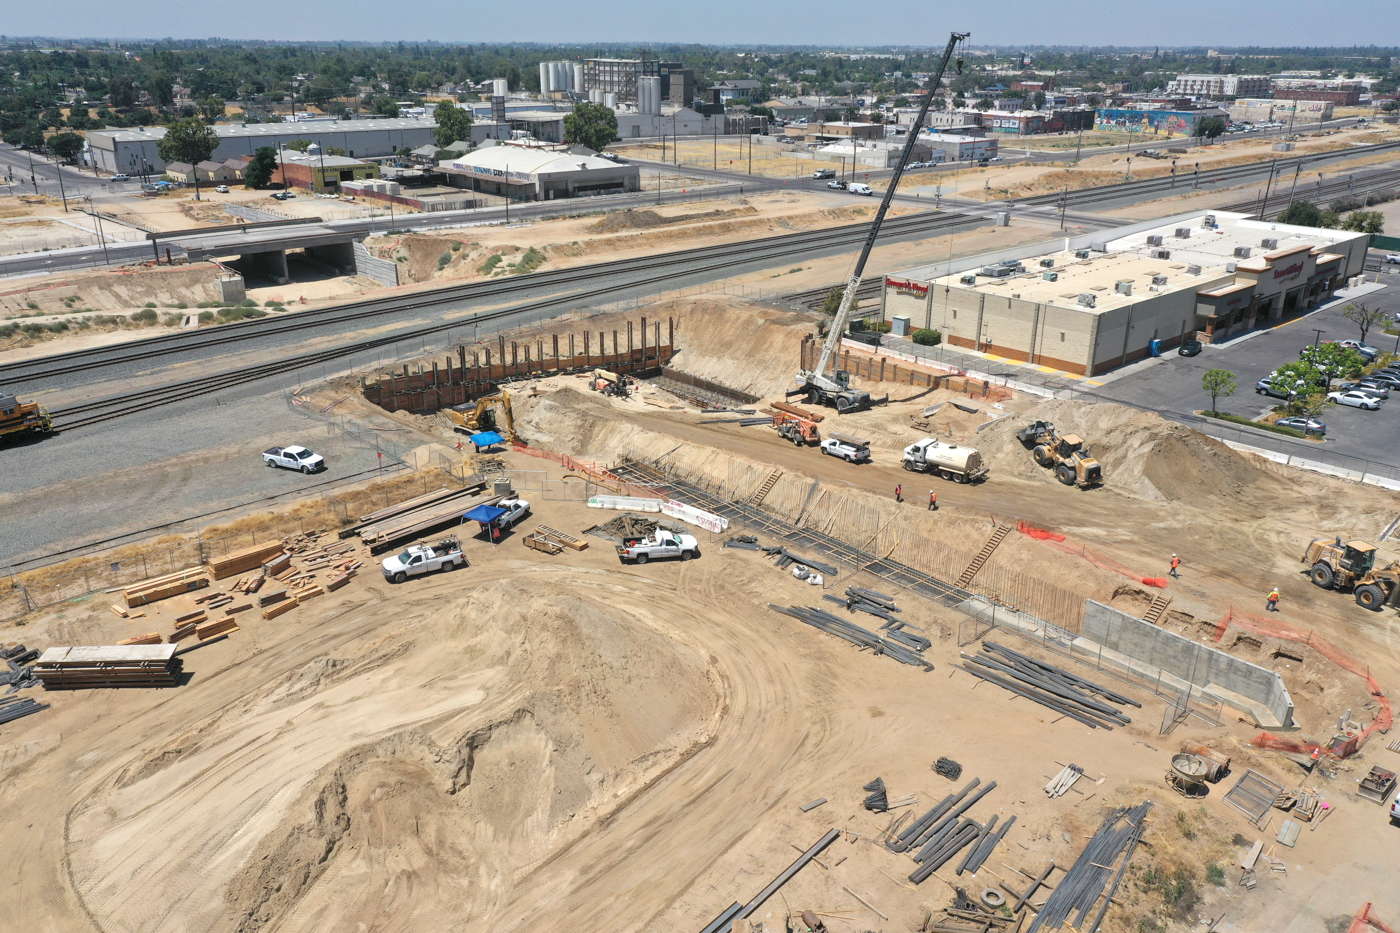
{"x":1173,"y":383}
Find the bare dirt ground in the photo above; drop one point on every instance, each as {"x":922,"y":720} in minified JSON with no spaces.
{"x":566,"y":743}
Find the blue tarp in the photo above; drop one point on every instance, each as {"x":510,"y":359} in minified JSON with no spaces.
{"x":484,"y":514}
{"x":487,"y":439}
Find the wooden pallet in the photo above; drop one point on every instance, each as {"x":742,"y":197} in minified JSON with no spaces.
{"x":1159,"y":606}
{"x":569,"y":541}
{"x":984,"y":555}
{"x":541,"y":542}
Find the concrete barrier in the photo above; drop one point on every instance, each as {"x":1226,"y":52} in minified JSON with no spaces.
{"x":626,"y":503}
{"x":694,"y":516}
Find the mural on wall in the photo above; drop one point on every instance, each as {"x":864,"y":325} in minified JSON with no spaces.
{"x":1151,"y":122}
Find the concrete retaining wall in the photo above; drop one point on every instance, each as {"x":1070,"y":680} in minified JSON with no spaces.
{"x":381,"y":270}
{"x":1231,"y":680}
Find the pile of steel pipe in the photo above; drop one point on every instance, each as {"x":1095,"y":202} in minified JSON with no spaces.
{"x":941,"y":833}
{"x":12,"y":708}
{"x":841,"y":628}
{"x":1082,"y":885}
{"x":1047,"y":685}
{"x":746,"y":422}
{"x":786,"y":557}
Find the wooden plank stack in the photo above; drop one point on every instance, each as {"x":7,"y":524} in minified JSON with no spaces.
{"x":473,"y":483}
{"x":247,"y":559}
{"x":537,"y":541}
{"x":568,"y":541}
{"x":449,"y":508}
{"x":172,"y":584}
{"x":87,"y":667}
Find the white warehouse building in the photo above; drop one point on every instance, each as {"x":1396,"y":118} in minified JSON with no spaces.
{"x":539,"y":173}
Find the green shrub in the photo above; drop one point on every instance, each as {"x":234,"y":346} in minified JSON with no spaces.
{"x":1236,"y":419}
{"x":57,"y":327}
{"x":82,"y":323}
{"x":206,"y":317}
{"x":489,"y":266}
{"x":32,"y":305}
{"x":444,"y":259}
{"x":273,"y":304}
{"x":149,"y":304}
{"x":926,"y":338}
{"x":247,"y":303}
{"x":456,"y":245}
{"x":146,"y":317}
{"x":32,"y":330}
{"x":1215,"y":874}
{"x":180,"y":305}
{"x":528,"y":263}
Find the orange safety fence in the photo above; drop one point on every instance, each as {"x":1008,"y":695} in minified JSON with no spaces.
{"x":1039,"y":534}
{"x":1363,"y":922}
{"x":1060,"y":543}
{"x":1270,"y":628}
{"x":582,"y":466}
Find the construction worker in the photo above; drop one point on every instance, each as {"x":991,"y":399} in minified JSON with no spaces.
{"x":1176,"y":562}
{"x":899,"y":492}
{"x":932,"y":501}
{"x":1273,"y":600}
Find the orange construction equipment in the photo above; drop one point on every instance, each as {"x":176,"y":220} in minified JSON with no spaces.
{"x":797,"y":429}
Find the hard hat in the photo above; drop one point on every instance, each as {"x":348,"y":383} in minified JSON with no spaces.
{"x":1173,"y":555}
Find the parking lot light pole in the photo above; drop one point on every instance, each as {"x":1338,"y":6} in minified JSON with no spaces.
{"x":1318,"y":339}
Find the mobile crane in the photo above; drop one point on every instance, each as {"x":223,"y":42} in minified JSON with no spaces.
{"x":835,"y":389}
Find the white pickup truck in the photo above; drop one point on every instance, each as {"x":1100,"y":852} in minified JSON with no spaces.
{"x":294,"y":458}
{"x":516,"y":509}
{"x":660,"y":543}
{"x":423,"y":558}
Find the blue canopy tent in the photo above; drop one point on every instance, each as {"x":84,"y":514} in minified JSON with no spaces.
{"x":487,"y":515}
{"x":486,"y":439}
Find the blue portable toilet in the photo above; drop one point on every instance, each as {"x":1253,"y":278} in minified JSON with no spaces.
{"x":1156,"y":347}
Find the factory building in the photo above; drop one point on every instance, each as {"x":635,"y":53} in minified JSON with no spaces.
{"x":618,"y":77}
{"x":135,"y":151}
{"x":1088,"y":311}
{"x":539,"y":173}
{"x":321,"y":174}
{"x":561,"y":77}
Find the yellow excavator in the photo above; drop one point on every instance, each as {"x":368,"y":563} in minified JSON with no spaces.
{"x":1334,"y":565}
{"x":488,"y":413}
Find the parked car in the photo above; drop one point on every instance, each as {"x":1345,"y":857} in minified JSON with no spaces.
{"x":1365,"y":349}
{"x":1355,"y":399}
{"x":1189,"y":348}
{"x":283,"y":196}
{"x":1393,"y":259}
{"x":847,"y":448}
{"x":838,"y":185}
{"x":221,"y":189}
{"x":1266,"y":386}
{"x":1387,"y":378}
{"x":1378,"y":389}
{"x":1306,"y":425}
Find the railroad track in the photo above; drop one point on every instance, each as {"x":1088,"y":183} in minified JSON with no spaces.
{"x":1182,"y":180}
{"x":812,"y":299}
{"x":767,"y":248}
{"x":68,"y":418}
{"x":1284,"y":194}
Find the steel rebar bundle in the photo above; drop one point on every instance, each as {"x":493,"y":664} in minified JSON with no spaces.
{"x":855,"y":634}
{"x":1084,"y":882}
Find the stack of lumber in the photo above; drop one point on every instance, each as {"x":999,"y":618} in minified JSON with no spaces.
{"x":448,"y":508}
{"x":172,"y":584}
{"x":474,"y":483}
{"x":1302,"y":804}
{"x":249,"y":558}
{"x":536,"y":541}
{"x":207,"y":630}
{"x":108,"y":666}
{"x":150,"y":638}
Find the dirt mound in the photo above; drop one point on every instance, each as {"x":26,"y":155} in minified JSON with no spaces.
{"x":412,"y":780}
{"x":1143,"y":454}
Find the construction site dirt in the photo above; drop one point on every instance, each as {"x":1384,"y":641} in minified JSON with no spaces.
{"x":563,"y":742}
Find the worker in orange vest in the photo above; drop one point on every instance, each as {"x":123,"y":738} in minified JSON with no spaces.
{"x":899,"y":492}
{"x":1273,"y":600}
{"x":932,"y":501}
{"x":1176,"y":562}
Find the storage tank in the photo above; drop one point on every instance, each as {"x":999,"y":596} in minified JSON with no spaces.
{"x":560,"y":82}
{"x":610,"y":101}
{"x":950,"y":461}
{"x":595,"y":96}
{"x":500,"y":87}
{"x":578,"y":77}
{"x":648,"y":94}
{"x":544,"y":78}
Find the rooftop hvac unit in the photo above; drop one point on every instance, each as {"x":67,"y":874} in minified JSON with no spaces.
{"x":1047,"y":263}
{"x":1123,"y":288}
{"x":1193,"y":270}
{"x":1050,"y":276}
{"x":1183,"y":233}
{"x":1241,"y":252}
{"x":1154,"y":240}
{"x":1099,"y":247}
{"x":1230,"y":267}
{"x":1088,"y":299}
{"x":1269,"y":243}
{"x":1209,"y":222}
{"x":1159,"y":280}
{"x":969,"y":280}
{"x":1081,"y":254}
{"x":1161,"y":254}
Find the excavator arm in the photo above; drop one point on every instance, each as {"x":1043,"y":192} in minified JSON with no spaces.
{"x":848,"y":297}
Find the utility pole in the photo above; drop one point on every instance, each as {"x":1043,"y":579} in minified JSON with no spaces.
{"x":1079,"y":144}
{"x":1064,"y":203}
{"x":58,"y":170}
{"x":1296,"y":172}
{"x":1264,"y":206}
{"x":100,"y":236}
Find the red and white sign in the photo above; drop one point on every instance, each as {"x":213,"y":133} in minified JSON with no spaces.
{"x":1289,"y":271}
{"x":908,"y":288}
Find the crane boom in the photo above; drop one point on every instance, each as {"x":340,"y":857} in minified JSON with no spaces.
{"x":848,"y":297}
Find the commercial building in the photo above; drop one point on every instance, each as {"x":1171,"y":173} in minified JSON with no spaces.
{"x":539,"y":173}
{"x":321,"y":174}
{"x":134,"y":151}
{"x":1220,"y":85}
{"x":673,"y":120}
{"x":744,"y":88}
{"x":959,"y":148}
{"x":1266,"y":110}
{"x":1344,"y":96}
{"x":1019,"y":123}
{"x":1167,"y":123}
{"x":1091,"y":310}
{"x":619,"y":76}
{"x":836,"y":131}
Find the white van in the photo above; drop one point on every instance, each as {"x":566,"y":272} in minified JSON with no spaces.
{"x":858,"y":188}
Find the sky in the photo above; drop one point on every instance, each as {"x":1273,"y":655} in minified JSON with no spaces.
{"x":1179,"y":23}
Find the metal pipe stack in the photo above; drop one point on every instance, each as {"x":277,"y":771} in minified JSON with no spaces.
{"x":1048,"y":685}
{"x":841,"y":628}
{"x":1082,"y":885}
{"x":940,"y":834}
